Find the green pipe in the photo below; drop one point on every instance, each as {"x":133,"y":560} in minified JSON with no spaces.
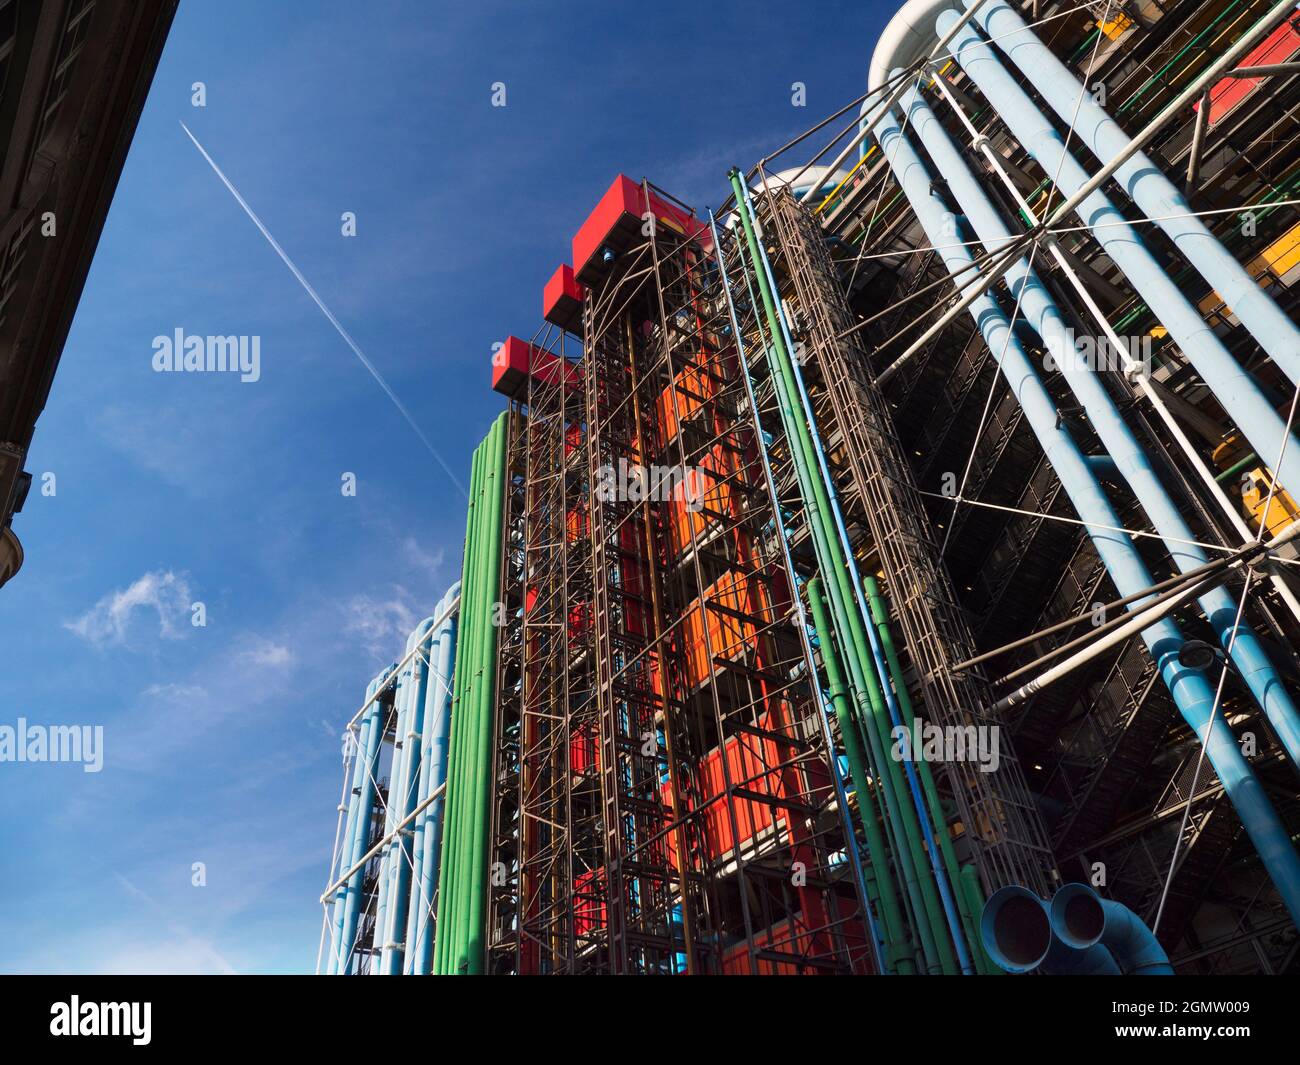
{"x":898,"y":948}
{"x":479,"y":874}
{"x":970,"y":884}
{"x":470,"y":879}
{"x":880,"y":615}
{"x":930,"y":923}
{"x":866,"y":695}
{"x":1242,"y":464}
{"x":465,"y":691}
{"x":444,"y":931}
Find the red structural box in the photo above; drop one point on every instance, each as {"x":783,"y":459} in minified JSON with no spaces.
{"x":517,"y":359}
{"x":562,"y":300}
{"x":1278,"y":47}
{"x":617,"y":223}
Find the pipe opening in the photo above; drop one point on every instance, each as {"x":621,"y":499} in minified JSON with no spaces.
{"x":1084,"y":919}
{"x":1021,"y":931}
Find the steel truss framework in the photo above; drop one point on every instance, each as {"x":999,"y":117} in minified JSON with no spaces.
{"x":666,"y":800}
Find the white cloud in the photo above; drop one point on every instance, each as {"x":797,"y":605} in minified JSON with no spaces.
{"x":267,"y":653}
{"x":381,"y":624}
{"x":109,"y":621}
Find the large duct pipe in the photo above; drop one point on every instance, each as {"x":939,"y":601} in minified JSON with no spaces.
{"x":1123,"y":450}
{"x":372,"y":727}
{"x":1081,"y":918}
{"x":1190,"y":690}
{"x":427,"y":834}
{"x":1235,"y":389}
{"x":399,"y":858}
{"x":1145,"y":184}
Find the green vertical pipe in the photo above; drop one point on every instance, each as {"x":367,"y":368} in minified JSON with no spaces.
{"x":465,"y":885}
{"x":447,"y":927}
{"x":880,"y":615}
{"x":930,"y":920}
{"x":486,"y":680}
{"x":898,"y":948}
{"x":831,"y":560}
{"x":970,"y":885}
{"x":451,"y":804}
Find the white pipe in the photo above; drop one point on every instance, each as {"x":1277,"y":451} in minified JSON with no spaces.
{"x":1177,"y":107}
{"x":1132,"y":368}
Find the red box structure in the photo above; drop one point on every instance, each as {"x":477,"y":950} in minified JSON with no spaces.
{"x":562,"y":300}
{"x":1278,"y":47}
{"x":616,"y":224}
{"x":517,"y":359}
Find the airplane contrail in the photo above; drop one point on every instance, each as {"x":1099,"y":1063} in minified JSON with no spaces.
{"x":356,"y":350}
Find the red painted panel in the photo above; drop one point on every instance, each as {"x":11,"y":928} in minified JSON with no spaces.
{"x":617,"y":221}
{"x":562,"y":300}
{"x":1278,"y":47}
{"x":516,"y":359}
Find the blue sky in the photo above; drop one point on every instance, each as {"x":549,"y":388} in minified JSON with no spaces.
{"x":222,"y":742}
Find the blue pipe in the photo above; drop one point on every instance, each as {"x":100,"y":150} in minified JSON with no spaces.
{"x":411,"y":688}
{"x":951,"y":913}
{"x":1145,"y":184}
{"x":763,"y":441}
{"x":426,"y":842}
{"x":368,"y":761}
{"x":1189,"y":688}
{"x":1082,"y":919}
{"x":344,"y":858}
{"x":1127,"y":455}
{"x":1234,"y":388}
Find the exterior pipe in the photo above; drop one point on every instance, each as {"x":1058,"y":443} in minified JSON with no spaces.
{"x":869,"y":894}
{"x":1092,"y":184}
{"x":880,"y":618}
{"x":1122,"y":448}
{"x":1190,"y":690}
{"x":848,"y":621}
{"x":1235,"y":389}
{"x":433,"y":774}
{"x":813,"y":493}
{"x":859,"y":603}
{"x":898,"y":949}
{"x":1146,"y":184}
{"x":445,"y":929}
{"x":344,"y":856}
{"x":368,"y":761}
{"x":402,"y":800}
{"x":1081,"y":919}
{"x":1132,"y":369}
{"x":451,"y":924}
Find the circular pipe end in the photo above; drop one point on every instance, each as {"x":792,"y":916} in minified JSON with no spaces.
{"x":1076,"y":916}
{"x":1015,"y":928}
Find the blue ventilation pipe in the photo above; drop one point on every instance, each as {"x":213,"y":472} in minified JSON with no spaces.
{"x":363,"y":799}
{"x":1129,"y":458}
{"x":399,"y":856}
{"x":1234,"y":388}
{"x":345,"y":859}
{"x":1077,"y":934}
{"x":426,"y":842}
{"x":1189,"y":688}
{"x":1081,"y":919}
{"x":1145,"y":184}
